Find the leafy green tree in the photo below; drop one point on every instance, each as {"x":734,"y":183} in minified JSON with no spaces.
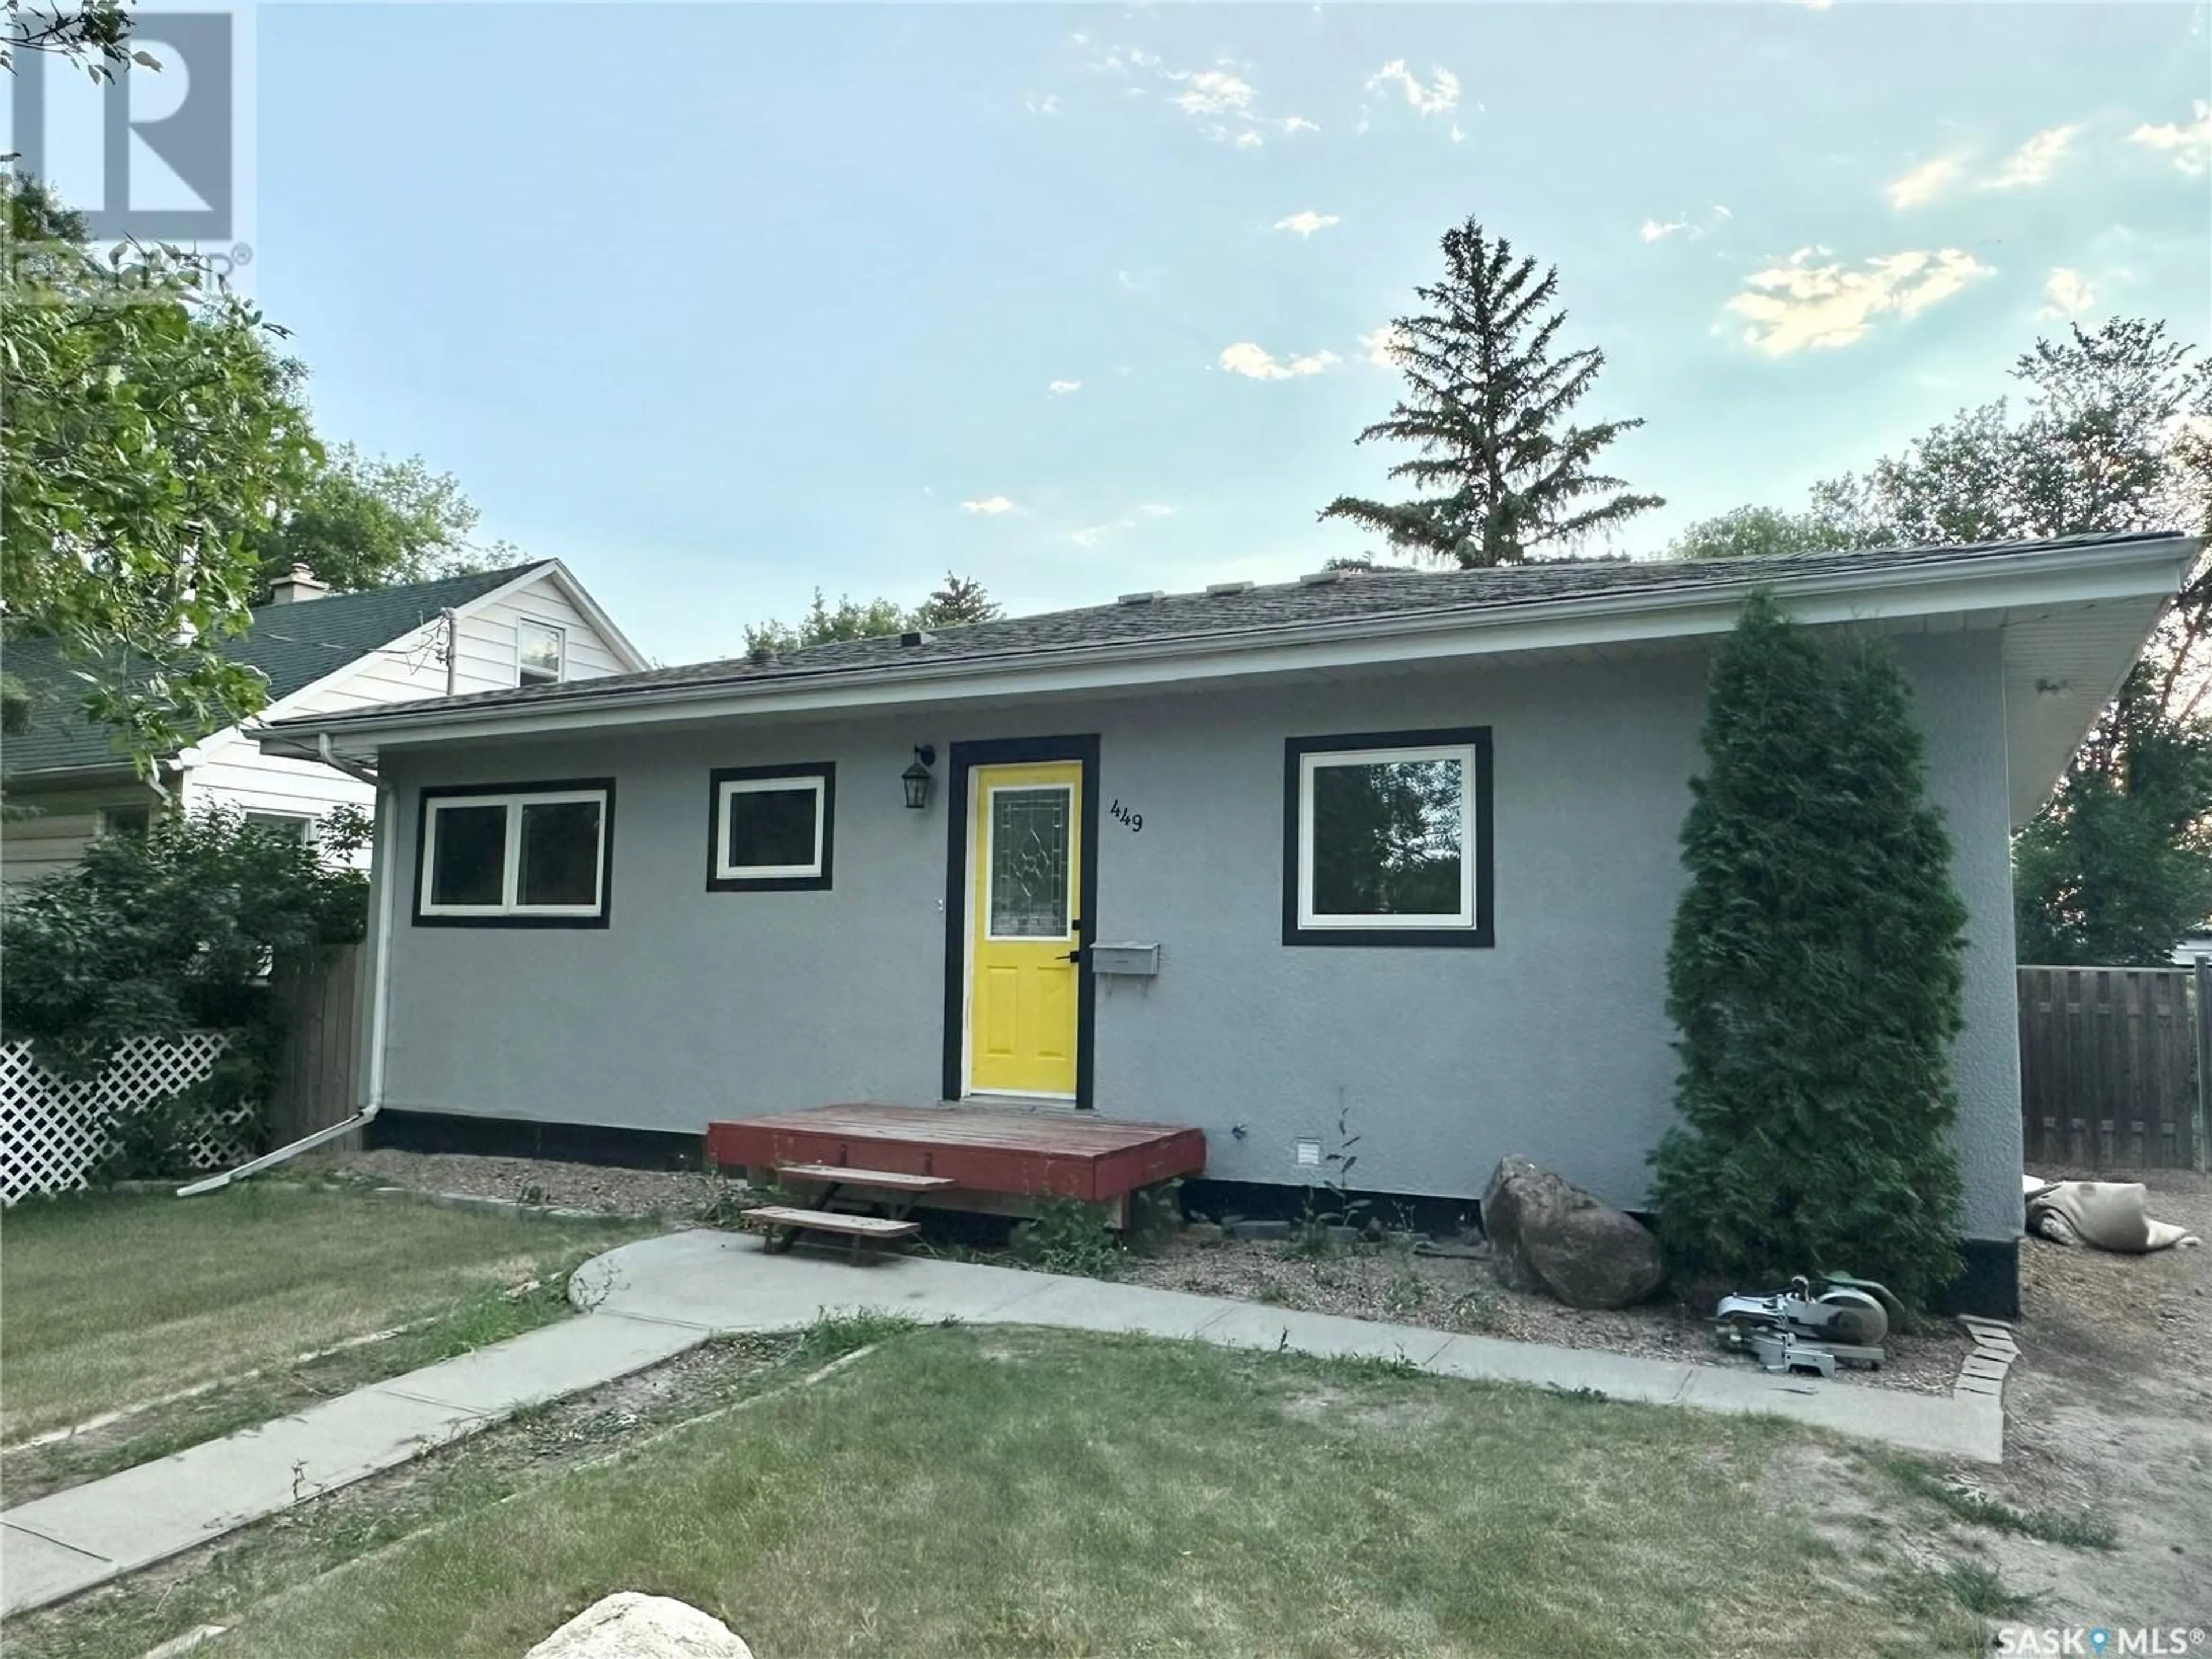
{"x":94,"y":35}
{"x":2118,"y":868}
{"x":1760,"y":532}
{"x":961,"y":599}
{"x":2112,"y":432}
{"x":359,"y":523}
{"x":179,"y":929}
{"x":1815,"y":974}
{"x":149,"y":435}
{"x":1502,"y":473}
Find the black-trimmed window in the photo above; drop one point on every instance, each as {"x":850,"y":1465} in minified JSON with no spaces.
{"x":771,"y":828}
{"x":516,"y":854}
{"x":1386,"y":838}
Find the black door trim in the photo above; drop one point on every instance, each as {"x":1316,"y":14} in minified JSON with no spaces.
{"x":1016,"y":751}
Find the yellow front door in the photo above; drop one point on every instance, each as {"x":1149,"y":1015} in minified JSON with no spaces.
{"x":1026,"y":847}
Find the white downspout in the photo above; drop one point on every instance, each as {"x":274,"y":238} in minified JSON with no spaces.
{"x":385,"y":873}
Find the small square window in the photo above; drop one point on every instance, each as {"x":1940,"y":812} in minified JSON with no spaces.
{"x":772,"y":827}
{"x":134,"y":821}
{"x":520,"y":855}
{"x":1386,"y":839}
{"x":541,"y":654}
{"x":282,"y":823}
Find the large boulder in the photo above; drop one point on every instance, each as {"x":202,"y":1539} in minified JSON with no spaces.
{"x":1547,"y":1234}
{"x":628,"y":1626}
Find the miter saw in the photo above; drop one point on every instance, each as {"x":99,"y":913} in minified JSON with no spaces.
{"x":1820,"y":1319}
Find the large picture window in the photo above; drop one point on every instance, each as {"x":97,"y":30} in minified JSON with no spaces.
{"x":1386,"y":839}
{"x":524,"y":854}
{"x":771,"y":827}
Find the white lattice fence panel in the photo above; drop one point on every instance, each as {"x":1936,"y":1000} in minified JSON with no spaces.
{"x":55,"y":1131}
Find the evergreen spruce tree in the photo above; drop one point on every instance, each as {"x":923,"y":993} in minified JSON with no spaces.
{"x":1501,"y":472}
{"x":1815,"y":974}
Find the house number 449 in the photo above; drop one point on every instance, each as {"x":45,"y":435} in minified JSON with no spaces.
{"x":1123,"y":815}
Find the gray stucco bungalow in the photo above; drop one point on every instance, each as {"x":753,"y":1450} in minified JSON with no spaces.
{"x":1397,"y":849}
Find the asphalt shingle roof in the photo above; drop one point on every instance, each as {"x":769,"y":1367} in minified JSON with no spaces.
{"x":293,"y":645}
{"x":1242,"y":608}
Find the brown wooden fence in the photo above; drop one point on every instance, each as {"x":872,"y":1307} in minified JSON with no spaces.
{"x":2109,"y":1066}
{"x":317,"y":1086}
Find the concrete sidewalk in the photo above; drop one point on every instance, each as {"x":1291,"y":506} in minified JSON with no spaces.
{"x":54,"y":1547}
{"x":727,"y":1282}
{"x":651,"y":1300}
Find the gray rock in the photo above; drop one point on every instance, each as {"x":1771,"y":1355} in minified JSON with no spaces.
{"x":628,"y":1626}
{"x":1547,"y":1234}
{"x":1277,"y":1230}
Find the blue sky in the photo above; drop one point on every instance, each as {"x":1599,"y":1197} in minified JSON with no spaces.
{"x":718,"y":303}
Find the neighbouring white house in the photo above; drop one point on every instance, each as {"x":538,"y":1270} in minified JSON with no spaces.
{"x":67,"y":782}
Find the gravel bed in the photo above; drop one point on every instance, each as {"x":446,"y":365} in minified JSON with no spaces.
{"x":1365,"y":1281}
{"x":1368,"y":1281}
{"x":685,"y":1193}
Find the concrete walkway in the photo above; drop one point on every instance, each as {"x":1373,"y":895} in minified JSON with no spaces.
{"x":654,"y":1299}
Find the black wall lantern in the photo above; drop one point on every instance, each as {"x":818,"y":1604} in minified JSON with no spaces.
{"x":916,"y":776}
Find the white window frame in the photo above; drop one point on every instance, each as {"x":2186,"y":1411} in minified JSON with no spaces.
{"x":107,"y":826}
{"x":304,"y":822}
{"x":1312,"y":762}
{"x":511,"y":870}
{"x":816,"y":783}
{"x":559,"y":653}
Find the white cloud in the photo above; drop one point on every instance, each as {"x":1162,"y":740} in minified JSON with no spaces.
{"x":2032,"y":162}
{"x":1155,"y":510}
{"x":1089,"y":536}
{"x":1799,"y":305}
{"x":1249,"y":140}
{"x":1290,"y":123}
{"x":1457,"y":136}
{"x":1687,"y":226}
{"x":2190,"y":146}
{"x":1381,"y":346}
{"x":1924,"y":182}
{"x":1047,"y":105}
{"x":991,"y":505}
{"x":1307,"y":223}
{"x":1439,"y":97}
{"x":1062,"y":388}
{"x":1213,"y":92}
{"x":2067,"y":291}
{"x":1249,"y":360}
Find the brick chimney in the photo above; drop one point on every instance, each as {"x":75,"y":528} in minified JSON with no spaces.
{"x":297,"y":586}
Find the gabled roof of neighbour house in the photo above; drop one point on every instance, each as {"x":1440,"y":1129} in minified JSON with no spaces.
{"x":293,"y":646}
{"x":1347,"y":620}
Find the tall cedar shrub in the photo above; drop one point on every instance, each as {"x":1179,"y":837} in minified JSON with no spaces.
{"x":1815,"y":974}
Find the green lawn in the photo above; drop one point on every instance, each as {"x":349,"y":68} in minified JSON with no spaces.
{"x":109,"y":1300}
{"x":963,"y":1493}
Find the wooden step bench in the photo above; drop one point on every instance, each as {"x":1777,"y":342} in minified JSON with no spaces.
{"x":782,"y":1222}
{"x":881,"y":1180}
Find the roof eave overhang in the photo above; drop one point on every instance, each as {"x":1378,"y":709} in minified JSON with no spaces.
{"x":1887,"y":593}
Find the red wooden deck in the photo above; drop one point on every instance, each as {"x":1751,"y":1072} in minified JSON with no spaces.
{"x":1057,"y":1154}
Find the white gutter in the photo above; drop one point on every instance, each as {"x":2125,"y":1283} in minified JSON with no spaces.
{"x":354,"y":770}
{"x":270,"y":1160}
{"x":2040,"y":577}
{"x":387,"y":830}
